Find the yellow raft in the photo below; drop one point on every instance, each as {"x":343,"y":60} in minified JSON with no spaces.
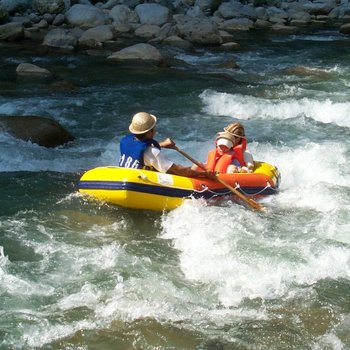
{"x":144,"y":189}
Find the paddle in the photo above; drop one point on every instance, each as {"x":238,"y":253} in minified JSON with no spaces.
{"x":252,"y":203}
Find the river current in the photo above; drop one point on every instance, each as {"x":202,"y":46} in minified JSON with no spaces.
{"x":80,"y":274}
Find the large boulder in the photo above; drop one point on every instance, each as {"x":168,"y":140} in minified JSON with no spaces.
{"x":147,"y":31}
{"x":43,"y":131}
{"x":176,"y":41}
{"x":228,"y":10}
{"x":85,"y":16}
{"x":152,"y":14}
{"x":121,"y":14}
{"x":237,"y":24}
{"x":11,"y":31}
{"x":32,"y":70}
{"x":60,"y":38}
{"x":308,"y":71}
{"x":95,"y":36}
{"x":139,"y":52}
{"x":319,"y":8}
{"x":345,"y":29}
{"x":199,"y":30}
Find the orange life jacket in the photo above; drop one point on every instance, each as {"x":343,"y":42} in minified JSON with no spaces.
{"x":238,"y":152}
{"x":219,"y":163}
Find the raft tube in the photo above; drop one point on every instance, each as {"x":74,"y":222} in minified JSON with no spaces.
{"x":151,"y":190}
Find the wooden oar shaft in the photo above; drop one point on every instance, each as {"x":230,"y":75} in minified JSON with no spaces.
{"x":200,"y":165}
{"x":240,"y":195}
{"x":250,"y":201}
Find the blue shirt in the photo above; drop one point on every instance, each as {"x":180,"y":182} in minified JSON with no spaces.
{"x":132,"y":150}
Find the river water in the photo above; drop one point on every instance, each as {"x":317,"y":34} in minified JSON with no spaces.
{"x":79,"y":274}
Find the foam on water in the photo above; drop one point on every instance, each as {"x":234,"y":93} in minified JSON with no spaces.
{"x":245,"y":255}
{"x":43,"y":333}
{"x":39,"y":104}
{"x":88,"y":296}
{"x":93,"y":274}
{"x":62,"y":268}
{"x":165,"y":300}
{"x":322,"y":36}
{"x":18,"y":155}
{"x":204,"y":58}
{"x":233,"y":250}
{"x":309,"y":175}
{"x":329,"y":341}
{"x":247,"y":107}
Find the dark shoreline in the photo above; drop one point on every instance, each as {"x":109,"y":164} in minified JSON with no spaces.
{"x":188,"y":26}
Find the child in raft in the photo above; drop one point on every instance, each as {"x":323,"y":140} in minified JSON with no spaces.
{"x":230,"y":155}
{"x":242,"y":159}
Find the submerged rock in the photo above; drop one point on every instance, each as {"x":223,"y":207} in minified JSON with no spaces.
{"x":138,"y":52}
{"x":32,"y":70}
{"x":11,"y":31}
{"x":43,"y":131}
{"x":345,"y":29}
{"x":308,"y":71}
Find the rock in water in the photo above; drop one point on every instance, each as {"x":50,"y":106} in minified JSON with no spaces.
{"x":43,"y":131}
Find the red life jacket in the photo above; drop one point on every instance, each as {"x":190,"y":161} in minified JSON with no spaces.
{"x":219,"y":163}
{"x":238,"y":152}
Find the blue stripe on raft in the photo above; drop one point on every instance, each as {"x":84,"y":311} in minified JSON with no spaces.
{"x":136,"y":187}
{"x":167,"y":191}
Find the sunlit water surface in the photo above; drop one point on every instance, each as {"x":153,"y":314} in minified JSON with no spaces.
{"x":77,"y":274}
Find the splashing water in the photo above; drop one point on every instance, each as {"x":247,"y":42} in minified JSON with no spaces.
{"x":77,"y":274}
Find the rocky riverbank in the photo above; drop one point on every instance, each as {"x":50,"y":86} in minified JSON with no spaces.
{"x":133,"y":30}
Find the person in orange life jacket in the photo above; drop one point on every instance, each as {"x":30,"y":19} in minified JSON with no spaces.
{"x":230,"y":155}
{"x":242,"y":159}
{"x":220,"y":157}
{"x":140,"y":150}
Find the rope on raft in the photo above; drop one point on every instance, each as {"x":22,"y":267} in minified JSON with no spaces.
{"x":207,"y":189}
{"x":268,"y":185}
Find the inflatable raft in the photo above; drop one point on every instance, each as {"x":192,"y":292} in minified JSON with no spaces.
{"x":144,"y":189}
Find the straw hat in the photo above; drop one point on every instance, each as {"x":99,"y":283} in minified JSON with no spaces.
{"x":235,"y":129}
{"x":142,"y":122}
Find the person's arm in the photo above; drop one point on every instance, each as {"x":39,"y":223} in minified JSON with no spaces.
{"x":177,"y":169}
{"x":248,"y":158}
{"x":196,"y":167}
{"x":167,"y":143}
{"x":154,"y":157}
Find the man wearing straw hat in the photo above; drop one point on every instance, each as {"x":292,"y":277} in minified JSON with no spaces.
{"x":140,"y":150}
